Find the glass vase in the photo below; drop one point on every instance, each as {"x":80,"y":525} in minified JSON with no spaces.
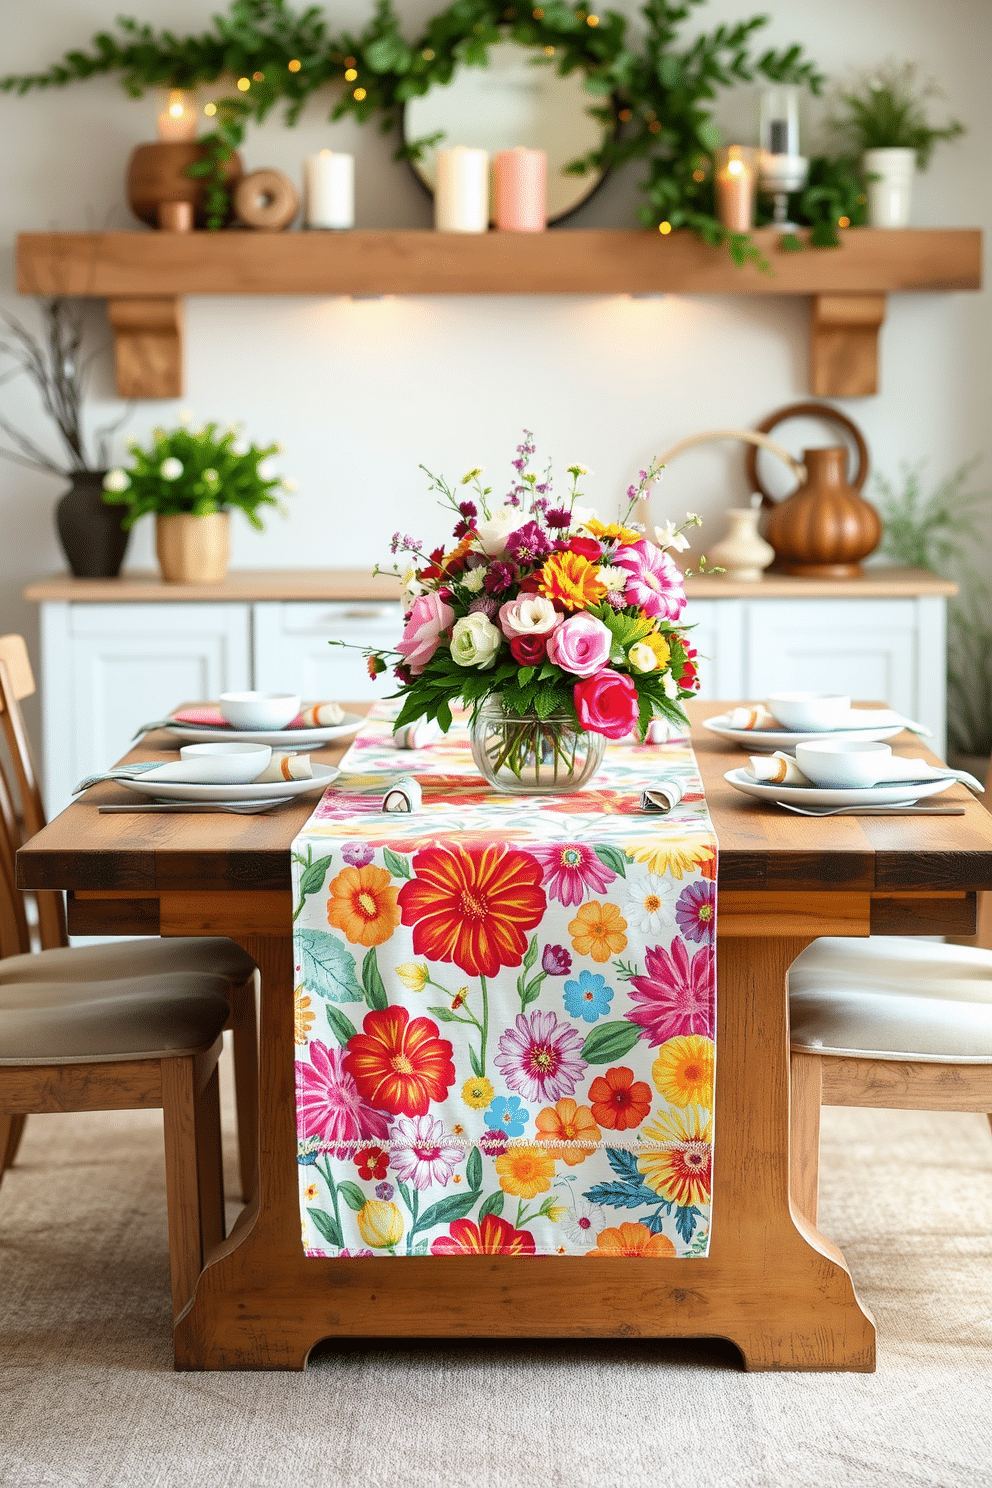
{"x":522,"y":754}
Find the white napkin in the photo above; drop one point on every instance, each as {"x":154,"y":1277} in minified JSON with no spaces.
{"x":321,"y":715}
{"x":417,"y":735}
{"x":404,"y":794}
{"x":756,"y":716}
{"x":285,"y":766}
{"x":663,"y":796}
{"x":777,"y":769}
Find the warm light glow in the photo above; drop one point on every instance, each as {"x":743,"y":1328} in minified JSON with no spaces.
{"x":358,"y":94}
{"x":176,"y":110}
{"x":538,"y":15}
{"x":625,"y":116}
{"x":549,"y":51}
{"x":295,"y":65}
{"x":350,"y":75}
{"x":177,"y":118}
{"x":654,"y":127}
{"x":244,"y":84}
{"x":259,"y":77}
{"x":210,"y":108}
{"x":592,"y":20}
{"x":664,"y":228}
{"x":699,"y":175}
{"x":427,"y":54}
{"x":843,"y":221}
{"x":735,"y":167}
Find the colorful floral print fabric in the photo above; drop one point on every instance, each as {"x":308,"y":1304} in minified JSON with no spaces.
{"x":505,"y":1011}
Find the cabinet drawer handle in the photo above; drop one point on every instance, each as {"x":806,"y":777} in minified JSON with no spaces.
{"x":361,"y":615}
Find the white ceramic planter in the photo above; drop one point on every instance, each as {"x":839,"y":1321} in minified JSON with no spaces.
{"x":743,"y":552}
{"x":890,"y":194}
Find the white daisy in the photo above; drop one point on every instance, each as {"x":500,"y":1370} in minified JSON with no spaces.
{"x":584,"y":1224}
{"x":648,"y":904}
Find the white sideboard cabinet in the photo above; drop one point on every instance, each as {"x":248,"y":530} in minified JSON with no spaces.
{"x":118,"y":653}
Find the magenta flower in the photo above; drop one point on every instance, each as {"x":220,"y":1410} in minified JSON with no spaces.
{"x":655,"y":581}
{"x":428,"y":617}
{"x":569,"y":869}
{"x":494,"y":1141}
{"x":328,"y":1104}
{"x":556,"y":961}
{"x":430,"y":1157}
{"x":696,"y":911}
{"x":677,"y":996}
{"x":358,"y":854}
{"x":540,"y":1057}
{"x":529,"y":544}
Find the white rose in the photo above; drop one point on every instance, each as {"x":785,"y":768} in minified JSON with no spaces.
{"x":474,"y":580}
{"x":668,"y":537}
{"x":475,"y":641}
{"x":116,"y":480}
{"x":670,"y":685}
{"x":532,"y":615}
{"x":494,"y":531}
{"x":171,"y":469}
{"x":642,"y":658}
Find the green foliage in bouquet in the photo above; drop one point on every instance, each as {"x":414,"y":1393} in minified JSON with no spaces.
{"x":887,"y":110}
{"x":194,"y":472}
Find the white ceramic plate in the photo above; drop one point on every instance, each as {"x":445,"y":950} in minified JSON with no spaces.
{"x":272,"y":790}
{"x":816,"y":795}
{"x":194,"y":733}
{"x":766,"y":741}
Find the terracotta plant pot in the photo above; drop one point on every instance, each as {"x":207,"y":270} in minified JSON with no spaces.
{"x":193,"y":550}
{"x":89,"y":530}
{"x":156,"y":175}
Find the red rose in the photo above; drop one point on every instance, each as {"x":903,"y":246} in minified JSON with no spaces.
{"x":529,"y":650}
{"x":530,"y":584}
{"x":587,"y":547}
{"x":607,"y":703}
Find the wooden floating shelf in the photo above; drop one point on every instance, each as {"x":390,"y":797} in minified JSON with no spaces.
{"x":144,"y":275}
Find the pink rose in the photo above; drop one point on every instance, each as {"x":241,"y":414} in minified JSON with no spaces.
{"x":581,"y":645}
{"x":607,"y":704}
{"x":528,"y":615}
{"x":655,"y":581}
{"x":425,"y":622}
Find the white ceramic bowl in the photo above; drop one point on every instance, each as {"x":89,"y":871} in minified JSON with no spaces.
{"x":808,"y":712}
{"x":850,"y":765}
{"x":259,"y":710}
{"x":226,"y":764}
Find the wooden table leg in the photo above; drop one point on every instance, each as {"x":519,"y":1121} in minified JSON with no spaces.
{"x":771,"y":1285}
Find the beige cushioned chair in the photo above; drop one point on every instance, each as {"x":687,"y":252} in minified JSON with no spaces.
{"x":222,"y":960}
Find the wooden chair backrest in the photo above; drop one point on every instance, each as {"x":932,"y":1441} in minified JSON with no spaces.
{"x":15,"y":938}
{"x":16,"y":682}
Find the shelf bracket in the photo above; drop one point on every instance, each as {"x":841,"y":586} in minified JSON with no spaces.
{"x":844,"y":344}
{"x":148,"y":346}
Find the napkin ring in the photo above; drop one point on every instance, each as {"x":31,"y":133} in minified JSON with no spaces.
{"x":404,"y":795}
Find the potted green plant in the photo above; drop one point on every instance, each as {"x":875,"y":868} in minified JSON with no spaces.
{"x":189,"y":480}
{"x":884,"y":116}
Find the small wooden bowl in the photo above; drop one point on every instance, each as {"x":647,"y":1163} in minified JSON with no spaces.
{"x":156,"y":176}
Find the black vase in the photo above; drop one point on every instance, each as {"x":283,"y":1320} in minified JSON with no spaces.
{"x":89,"y":530}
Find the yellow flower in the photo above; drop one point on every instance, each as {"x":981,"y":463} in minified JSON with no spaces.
{"x":381,"y":1224}
{"x":303,"y":1018}
{"x":414,"y":975}
{"x":571,"y":579}
{"x":673,"y":855}
{"x":597,"y":931}
{"x":610,"y":531}
{"x":556,"y":1213}
{"x":477,"y":1093}
{"x":662,"y":650}
{"x":310,"y":1192}
{"x":681,"y":1171}
{"x":683,"y":1071}
{"x":525,"y":1171}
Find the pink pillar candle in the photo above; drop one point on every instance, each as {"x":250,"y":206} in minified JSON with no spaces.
{"x":520,"y":179}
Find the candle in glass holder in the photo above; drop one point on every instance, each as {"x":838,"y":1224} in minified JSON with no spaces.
{"x":329,"y":179}
{"x":778,"y":123}
{"x":461,"y":190}
{"x":177,"y":121}
{"x":520,"y":190}
{"x":734,"y":185}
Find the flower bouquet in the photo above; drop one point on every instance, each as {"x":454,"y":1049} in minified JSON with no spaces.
{"x":557,"y":629}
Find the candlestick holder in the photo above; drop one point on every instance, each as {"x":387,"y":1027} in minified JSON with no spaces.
{"x":782,"y":168}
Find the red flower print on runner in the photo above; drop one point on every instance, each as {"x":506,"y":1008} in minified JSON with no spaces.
{"x":494,"y":1236}
{"x":399,"y":1064}
{"x":371,"y":1162}
{"x":473,"y":905}
{"x":618,"y":1100}
{"x":677,"y":995}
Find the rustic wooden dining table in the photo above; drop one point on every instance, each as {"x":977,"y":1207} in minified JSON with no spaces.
{"x":771,"y":1284}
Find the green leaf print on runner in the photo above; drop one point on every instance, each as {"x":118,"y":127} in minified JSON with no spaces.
{"x":327,"y":968}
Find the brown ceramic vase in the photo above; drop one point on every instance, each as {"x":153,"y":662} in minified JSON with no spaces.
{"x":156,"y":175}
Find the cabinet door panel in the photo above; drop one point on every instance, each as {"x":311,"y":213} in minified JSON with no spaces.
{"x":718,"y":636}
{"x":293,"y":650}
{"x":132,"y":663}
{"x":867,"y":648}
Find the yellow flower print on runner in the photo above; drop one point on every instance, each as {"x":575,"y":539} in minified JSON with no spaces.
{"x":414,"y":974}
{"x":598,"y":931}
{"x":681,"y":1171}
{"x":477,"y":1093}
{"x":683,"y":1071}
{"x":303,"y":1016}
{"x":675,"y":855}
{"x":525,"y":1171}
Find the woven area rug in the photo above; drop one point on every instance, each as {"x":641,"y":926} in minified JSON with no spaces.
{"x":89,"y":1399}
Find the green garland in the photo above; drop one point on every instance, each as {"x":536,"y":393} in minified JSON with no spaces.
{"x":655,"y":94}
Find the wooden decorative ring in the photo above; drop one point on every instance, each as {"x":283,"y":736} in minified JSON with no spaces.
{"x":806,"y":410}
{"x":266,"y":200}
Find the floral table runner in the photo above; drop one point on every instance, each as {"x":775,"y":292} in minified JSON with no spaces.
{"x":505,"y":1011}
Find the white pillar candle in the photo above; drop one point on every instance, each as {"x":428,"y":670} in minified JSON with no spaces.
{"x":329,"y":181}
{"x":461,"y":191}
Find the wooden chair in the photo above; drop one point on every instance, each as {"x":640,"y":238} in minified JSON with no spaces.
{"x":140,"y":1043}
{"x":888,"y":1022}
{"x":218,"y":956}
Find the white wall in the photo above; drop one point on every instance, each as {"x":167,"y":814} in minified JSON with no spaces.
{"x":360,"y":393}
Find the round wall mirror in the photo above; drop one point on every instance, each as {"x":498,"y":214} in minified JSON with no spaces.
{"x":517,"y":99}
